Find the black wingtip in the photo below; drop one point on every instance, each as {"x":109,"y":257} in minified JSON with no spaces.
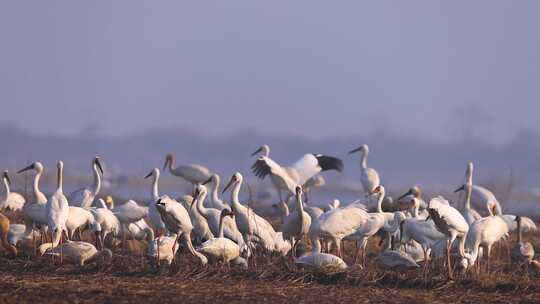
{"x":330,"y":163}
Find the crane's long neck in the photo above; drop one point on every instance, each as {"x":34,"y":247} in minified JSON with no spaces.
{"x":6,"y":188}
{"x":379,"y":201}
{"x":155,"y":189}
{"x":235,"y":201}
{"x":38,"y":195}
{"x":266,"y":151}
{"x":363,"y":163}
{"x":468,"y":193}
{"x":200,"y":205}
{"x":415,"y":212}
{"x":300,"y":208}
{"x":221,"y":234}
{"x":60,"y":178}
{"x":97,"y":180}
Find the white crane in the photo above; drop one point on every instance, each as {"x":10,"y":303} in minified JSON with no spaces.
{"x":214,"y":218}
{"x":416,"y":192}
{"x":193,"y":173}
{"x":16,"y":234}
{"x":129,"y":213}
{"x":469,"y":213}
{"x":252,"y":226}
{"x":58,"y":211}
{"x":484,"y":232}
{"x":368,"y":176}
{"x":221,"y":248}
{"x":177,"y":221}
{"x":321,"y":261}
{"x":107,"y":221}
{"x":336,"y":224}
{"x":80,"y":218}
{"x":153,"y":213}
{"x":296,"y":225}
{"x":201,"y":229}
{"x":11,"y":200}
{"x":163,"y":248}
{"x":35,"y":213}
{"x":395,"y":259}
{"x":480,"y":196}
{"x":522,"y":252}
{"x":79,"y":253}
{"x":217,"y":202}
{"x":84,"y":197}
{"x":287,"y":178}
{"x":450,"y":222}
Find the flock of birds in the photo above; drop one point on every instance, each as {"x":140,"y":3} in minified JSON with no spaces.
{"x":231,"y":232}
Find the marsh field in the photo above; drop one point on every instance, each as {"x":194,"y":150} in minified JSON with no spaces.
{"x":130,"y":278}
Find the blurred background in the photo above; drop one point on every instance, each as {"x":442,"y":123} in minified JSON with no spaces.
{"x":428,"y":85}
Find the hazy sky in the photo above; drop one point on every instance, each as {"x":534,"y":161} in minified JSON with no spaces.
{"x":314,"y":68}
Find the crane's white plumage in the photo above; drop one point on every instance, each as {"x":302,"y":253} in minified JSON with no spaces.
{"x":57,"y":210}
{"x":484,"y":232}
{"x":368,"y":176}
{"x":11,"y":200}
{"x":85,"y":197}
{"x":79,"y":252}
{"x":193,"y":173}
{"x":153,"y":213}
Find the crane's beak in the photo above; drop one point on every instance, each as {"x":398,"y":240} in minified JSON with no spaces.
{"x":31,"y":166}
{"x":149,"y":174}
{"x":460,"y":188}
{"x":207,"y":181}
{"x":257,"y":151}
{"x":355,"y":150}
{"x":228,"y":185}
{"x":98,"y":163}
{"x":407,"y":193}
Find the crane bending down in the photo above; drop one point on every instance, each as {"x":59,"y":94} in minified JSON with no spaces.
{"x":287,"y":178}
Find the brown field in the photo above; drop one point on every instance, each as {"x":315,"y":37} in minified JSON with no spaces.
{"x":273,"y":280}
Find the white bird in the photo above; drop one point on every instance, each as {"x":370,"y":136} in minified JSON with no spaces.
{"x":177,"y":221}
{"x":163,"y":248}
{"x":527,"y":225}
{"x":336,"y":224}
{"x":108,"y":222}
{"x":35,"y":213}
{"x":80,"y":218}
{"x":217,"y":202}
{"x":368,"y":176}
{"x":130,"y":212}
{"x":79,"y":253}
{"x":416,"y":192}
{"x":296,"y":225}
{"x":484,"y":232}
{"x":480,"y":196}
{"x":16,"y":234}
{"x":214,"y":218}
{"x":153,"y":213}
{"x":321,"y":261}
{"x":201,"y":229}
{"x":193,"y":173}
{"x":469,"y":213}
{"x":395,"y":259}
{"x":522,"y":252}
{"x":287,"y":178}
{"x":139,"y":230}
{"x":58,"y":211}
{"x":221,"y":248}
{"x":252,"y":226}
{"x":450,"y":222}
{"x":11,"y":200}
{"x":84,"y":197}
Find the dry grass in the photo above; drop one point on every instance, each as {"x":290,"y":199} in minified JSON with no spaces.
{"x":273,"y":280}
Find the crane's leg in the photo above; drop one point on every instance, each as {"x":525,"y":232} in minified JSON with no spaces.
{"x":364,"y":246}
{"x":448,"y":262}
{"x":157,"y":244}
{"x":488,"y":257}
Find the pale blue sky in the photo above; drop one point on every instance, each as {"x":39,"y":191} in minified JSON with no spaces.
{"x":318,"y":68}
